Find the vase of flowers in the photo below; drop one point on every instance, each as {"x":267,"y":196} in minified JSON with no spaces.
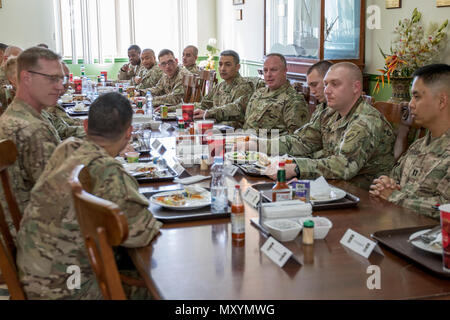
{"x":411,"y":49}
{"x":209,"y":64}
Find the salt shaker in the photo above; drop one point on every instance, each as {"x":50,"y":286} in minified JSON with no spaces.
{"x":308,"y":232}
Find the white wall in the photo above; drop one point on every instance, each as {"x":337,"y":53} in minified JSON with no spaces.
{"x":27,"y":23}
{"x":390,"y":18}
{"x":246,"y":37}
{"x":206,"y":22}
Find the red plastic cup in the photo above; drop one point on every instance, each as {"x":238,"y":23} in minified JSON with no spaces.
{"x":203,"y":127}
{"x":188,"y":112}
{"x":105,"y":74}
{"x":445,"y":225}
{"x":216,"y":145}
{"x":78,"y":86}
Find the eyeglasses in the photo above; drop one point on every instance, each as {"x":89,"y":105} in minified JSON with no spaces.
{"x":170,"y":62}
{"x":52,"y":78}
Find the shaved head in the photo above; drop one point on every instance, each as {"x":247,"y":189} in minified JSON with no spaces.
{"x":149,"y":50}
{"x":352,"y":70}
{"x":11,"y":51}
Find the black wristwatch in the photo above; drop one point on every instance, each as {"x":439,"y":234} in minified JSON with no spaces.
{"x":297,"y":171}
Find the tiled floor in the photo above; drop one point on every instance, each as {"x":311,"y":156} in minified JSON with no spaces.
{"x":4,"y":295}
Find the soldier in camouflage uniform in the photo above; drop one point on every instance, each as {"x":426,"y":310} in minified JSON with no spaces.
{"x":8,"y":90}
{"x":169,"y":89}
{"x":34,"y":137}
{"x":421,"y":178}
{"x":131,"y":69}
{"x":347,"y":140}
{"x":190,"y":55}
{"x":150,"y":73}
{"x":49,"y":240}
{"x":11,"y":51}
{"x":278,"y":106}
{"x":227,"y":101}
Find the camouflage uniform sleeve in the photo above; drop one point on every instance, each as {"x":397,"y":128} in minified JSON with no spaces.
{"x":157,"y":90}
{"x":125,"y":75}
{"x":234,"y":110}
{"x":37,"y":150}
{"x":295,"y":113}
{"x":424,"y":205}
{"x":207,"y":101}
{"x":172,"y":98}
{"x":355,"y":149}
{"x":123,"y":190}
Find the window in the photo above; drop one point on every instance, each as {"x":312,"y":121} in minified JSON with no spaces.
{"x":99,"y":30}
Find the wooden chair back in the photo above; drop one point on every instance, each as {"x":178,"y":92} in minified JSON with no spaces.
{"x":400,"y":117}
{"x":208,"y":80}
{"x":189,"y":86}
{"x":8,"y":155}
{"x":103,"y":226}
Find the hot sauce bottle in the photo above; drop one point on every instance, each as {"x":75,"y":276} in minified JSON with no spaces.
{"x":237,"y":216}
{"x":281,"y":185}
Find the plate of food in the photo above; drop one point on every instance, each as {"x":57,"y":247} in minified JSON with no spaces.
{"x":170,"y":116}
{"x":150,"y":172}
{"x":252,"y":157}
{"x":434,"y":246}
{"x":190,"y":198}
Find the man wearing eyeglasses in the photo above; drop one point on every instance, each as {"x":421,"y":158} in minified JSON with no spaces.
{"x":40,"y":83}
{"x":169,"y":89}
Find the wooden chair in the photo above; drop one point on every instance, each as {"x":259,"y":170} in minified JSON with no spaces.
{"x":189,"y":85}
{"x":8,"y":155}
{"x":400,"y":117}
{"x":103,"y":226}
{"x":207,"y":81}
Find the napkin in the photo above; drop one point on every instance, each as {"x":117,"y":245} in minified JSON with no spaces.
{"x":320,"y":188}
{"x":190,"y":180}
{"x":286,"y":209}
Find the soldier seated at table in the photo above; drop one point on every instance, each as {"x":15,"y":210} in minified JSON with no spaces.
{"x":150,"y":73}
{"x":8,"y":91}
{"x":227,"y":101}
{"x":50,"y":240}
{"x":277,"y":106}
{"x":169,"y":89}
{"x":190,"y":55}
{"x":57,"y":115}
{"x":10,"y":51}
{"x":129,"y":70}
{"x":40,"y":82}
{"x":347,"y":140}
{"x":421,"y":177}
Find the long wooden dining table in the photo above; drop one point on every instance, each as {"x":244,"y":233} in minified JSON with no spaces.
{"x":198,"y":260}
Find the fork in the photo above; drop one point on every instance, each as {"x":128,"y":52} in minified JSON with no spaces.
{"x":428,"y":236}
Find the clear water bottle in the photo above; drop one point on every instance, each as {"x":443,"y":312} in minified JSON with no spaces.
{"x":219,"y":192}
{"x":102,"y":80}
{"x":149,"y":109}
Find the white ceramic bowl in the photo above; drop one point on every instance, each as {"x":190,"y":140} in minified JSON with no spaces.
{"x":322,"y":226}
{"x":155,"y":124}
{"x":283,"y":229}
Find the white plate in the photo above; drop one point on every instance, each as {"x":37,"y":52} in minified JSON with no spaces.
{"x":189,"y":205}
{"x":335,"y":194}
{"x":424,"y":246}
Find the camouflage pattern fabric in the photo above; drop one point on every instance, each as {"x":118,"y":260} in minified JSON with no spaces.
{"x":60,"y":112}
{"x":55,"y":117}
{"x":150,"y":77}
{"x":3,"y":78}
{"x":357,"y":147}
{"x":283,"y":109}
{"x":6,"y":97}
{"x":226,"y":103}
{"x":423,"y":173}
{"x":169,"y":90}
{"x":35,"y":139}
{"x":194,"y":69}
{"x":131,"y":73}
{"x":49,"y":239}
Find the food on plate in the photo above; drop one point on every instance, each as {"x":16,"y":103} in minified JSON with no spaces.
{"x":249,"y":156}
{"x":79,"y":107}
{"x":180,"y":199}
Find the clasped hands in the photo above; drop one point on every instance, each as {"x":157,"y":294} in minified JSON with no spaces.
{"x":383,"y":187}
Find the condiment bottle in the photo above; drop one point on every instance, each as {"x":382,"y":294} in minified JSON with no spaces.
{"x":308,"y":232}
{"x":281,"y":185}
{"x":237,"y":216}
{"x":204,"y":163}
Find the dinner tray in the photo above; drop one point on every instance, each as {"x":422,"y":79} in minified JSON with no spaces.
{"x":249,"y":172}
{"x":172,"y":176}
{"x":167,"y":216}
{"x":73,"y":113}
{"x":348,"y":201}
{"x":397,"y":240}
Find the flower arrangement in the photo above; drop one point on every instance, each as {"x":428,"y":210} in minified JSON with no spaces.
{"x":411,"y":48}
{"x":212,"y":50}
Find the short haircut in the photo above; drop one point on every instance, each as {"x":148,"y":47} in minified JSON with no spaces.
{"x":3,"y":46}
{"x":434,"y":75}
{"x":29,"y":59}
{"x":194,"y":49}
{"x":165,"y":52}
{"x":43,"y":45}
{"x":65,"y":68}
{"x":321,"y":67}
{"x":11,"y":66}
{"x":282,"y":58}
{"x":149,"y":50}
{"x":231,"y":53}
{"x":109,"y":116}
{"x":135,"y":48}
{"x":353,"y":70}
